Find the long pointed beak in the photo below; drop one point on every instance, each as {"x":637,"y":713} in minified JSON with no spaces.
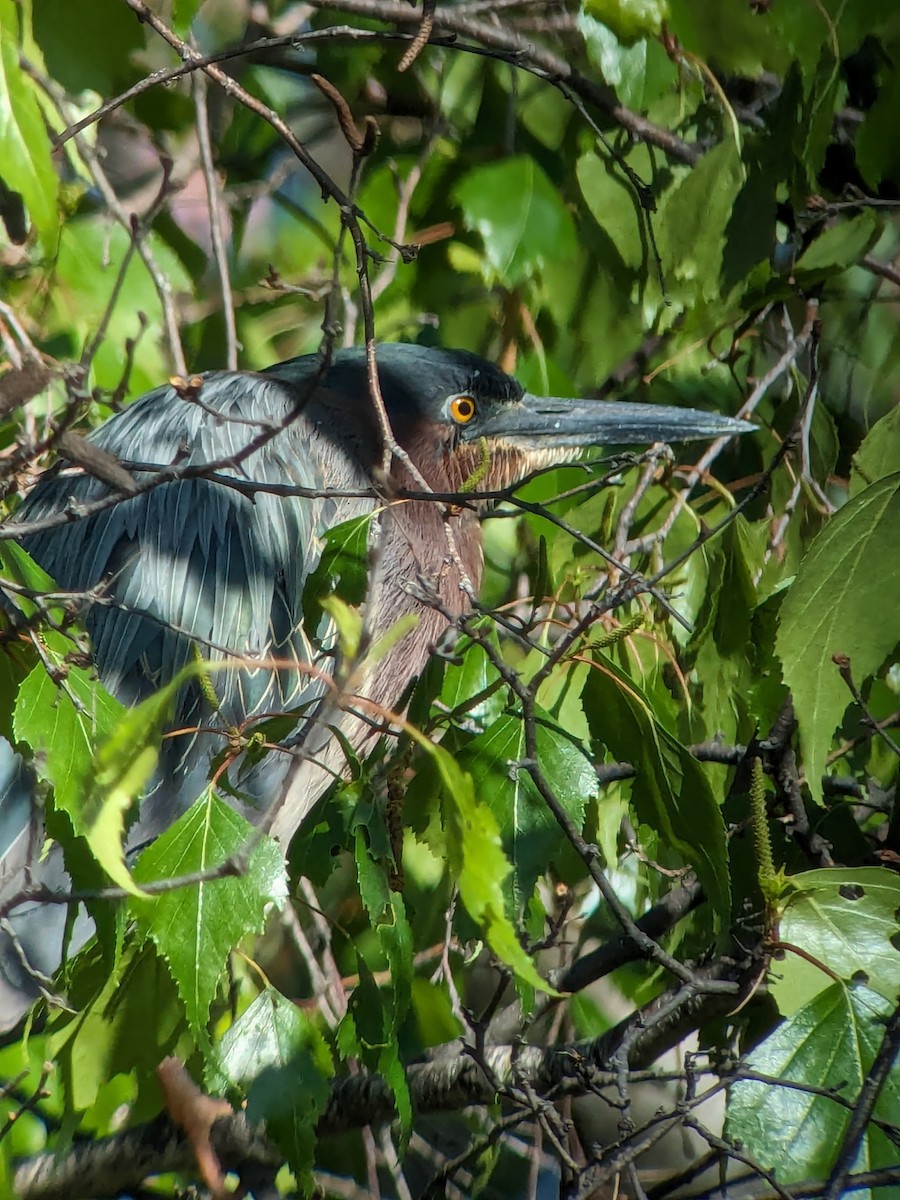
{"x":549,"y":421}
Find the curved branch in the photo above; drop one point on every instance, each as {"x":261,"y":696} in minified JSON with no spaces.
{"x":623,"y":949}
{"x":554,"y":68}
{"x":450,"y":1082}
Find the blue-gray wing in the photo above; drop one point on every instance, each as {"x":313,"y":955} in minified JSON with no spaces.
{"x":194,"y":566}
{"x":189,"y":567}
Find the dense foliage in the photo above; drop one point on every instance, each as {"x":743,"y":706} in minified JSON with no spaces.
{"x":618,"y":907}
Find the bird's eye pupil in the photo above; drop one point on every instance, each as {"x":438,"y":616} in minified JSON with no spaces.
{"x":462,"y":408}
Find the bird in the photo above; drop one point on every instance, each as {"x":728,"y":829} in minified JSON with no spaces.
{"x":252,"y":472}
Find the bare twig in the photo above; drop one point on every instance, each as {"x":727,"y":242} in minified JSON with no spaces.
{"x":844,"y":666}
{"x":555,"y":69}
{"x":217,"y":218}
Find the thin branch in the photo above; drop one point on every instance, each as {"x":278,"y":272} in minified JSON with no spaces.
{"x":217,"y":218}
{"x":872,"y":1088}
{"x":616,"y":952}
{"x":526,"y":53}
{"x":449,"y":1083}
{"x":128,"y":222}
{"x":844,"y":666}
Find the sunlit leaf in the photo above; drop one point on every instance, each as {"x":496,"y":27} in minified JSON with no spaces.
{"x":196,"y":926}
{"x":99,"y":1042}
{"x":829,"y":1043}
{"x":629,"y":18}
{"x":614,"y":207}
{"x":25,"y":151}
{"x":879,"y":454}
{"x":842,"y":244}
{"x":694,"y":216}
{"x":519,"y":215}
{"x":847,"y":920}
{"x":277,"y":1055}
{"x":842,"y":582}
{"x":64,"y":720}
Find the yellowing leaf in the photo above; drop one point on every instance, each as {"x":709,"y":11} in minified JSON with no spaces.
{"x":349,"y":624}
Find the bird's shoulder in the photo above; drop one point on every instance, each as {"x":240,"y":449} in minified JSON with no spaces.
{"x":193,"y":565}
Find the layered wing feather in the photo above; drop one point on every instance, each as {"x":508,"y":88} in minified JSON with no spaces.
{"x":196,"y":567}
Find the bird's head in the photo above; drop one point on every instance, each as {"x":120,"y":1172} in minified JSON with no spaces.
{"x":467,"y":424}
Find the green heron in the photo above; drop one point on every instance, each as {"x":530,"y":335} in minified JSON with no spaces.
{"x":212,"y":564}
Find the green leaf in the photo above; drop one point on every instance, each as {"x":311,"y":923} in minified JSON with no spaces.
{"x":614,"y":206}
{"x":113,"y":33}
{"x":395,"y":936}
{"x":840,"y":245}
{"x":368,"y":1031}
{"x":61,"y":711}
{"x":122,"y":766}
{"x":520,"y":217}
{"x":348,"y":622}
{"x":879,"y":454}
{"x":25,"y":149}
{"x":845,"y":919}
{"x":370,"y":873}
{"x":367,"y":1012}
{"x":391,"y":1067}
{"x":694,"y":216}
{"x":184,"y":13}
{"x":629,"y":19}
{"x":478,"y":864}
{"x":641,"y":72}
{"x":531,"y":835}
{"x":735,"y":39}
{"x":267,"y":1034}
{"x":435,"y":1021}
{"x":877,"y":151}
{"x":277,"y":1055}
{"x":342,"y":570}
{"x":719,"y":650}
{"x":63,"y":722}
{"x":100,"y":1041}
{"x":843,"y":580}
{"x":829,"y":1043}
{"x":476,"y":674}
{"x":197,"y":926}
{"x":19,"y":567}
{"x":671,"y":794}
{"x":87,"y":271}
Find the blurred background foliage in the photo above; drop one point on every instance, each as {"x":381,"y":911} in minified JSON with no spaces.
{"x":687,"y":201}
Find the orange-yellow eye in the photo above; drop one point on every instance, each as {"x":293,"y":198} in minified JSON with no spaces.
{"x":462,"y":409}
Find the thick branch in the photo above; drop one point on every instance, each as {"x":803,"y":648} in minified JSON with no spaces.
{"x":452,"y":1081}
{"x":618,"y":951}
{"x":550,"y":65}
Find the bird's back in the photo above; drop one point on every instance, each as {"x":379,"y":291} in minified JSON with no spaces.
{"x":194,"y":568}
{"x":215,"y":568}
